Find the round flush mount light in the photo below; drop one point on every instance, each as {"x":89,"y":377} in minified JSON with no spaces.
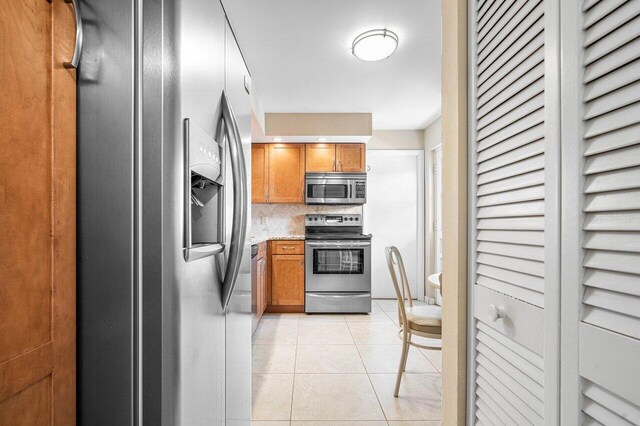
{"x":375,"y":45}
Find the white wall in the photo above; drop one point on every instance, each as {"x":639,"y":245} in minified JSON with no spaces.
{"x":432,"y":137}
{"x":396,"y":139}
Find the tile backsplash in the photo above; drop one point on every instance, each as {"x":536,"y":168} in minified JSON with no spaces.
{"x":275,"y":220}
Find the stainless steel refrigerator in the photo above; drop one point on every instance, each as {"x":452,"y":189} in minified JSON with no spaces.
{"x":164,"y":285}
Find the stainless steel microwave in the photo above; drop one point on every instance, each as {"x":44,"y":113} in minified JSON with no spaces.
{"x":335,"y":188}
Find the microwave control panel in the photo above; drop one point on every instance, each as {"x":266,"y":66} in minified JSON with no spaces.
{"x":361,"y":189}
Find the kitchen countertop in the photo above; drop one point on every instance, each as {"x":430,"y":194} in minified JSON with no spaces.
{"x":258,"y":240}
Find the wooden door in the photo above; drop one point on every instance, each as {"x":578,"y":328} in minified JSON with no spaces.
{"x":321,"y":157}
{"x":287,"y":275}
{"x":37,"y":214}
{"x":286,"y":173}
{"x":259,"y":173}
{"x":351,"y":157}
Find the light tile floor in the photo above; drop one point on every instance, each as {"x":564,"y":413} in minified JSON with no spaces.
{"x":340,"y":370}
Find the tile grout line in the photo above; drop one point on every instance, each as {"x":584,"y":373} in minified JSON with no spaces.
{"x":295,"y":361}
{"x":368,"y":376}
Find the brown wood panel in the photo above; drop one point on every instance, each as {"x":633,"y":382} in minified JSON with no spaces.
{"x":351,"y":157}
{"x":287,"y":247}
{"x":31,"y":407}
{"x":287,"y":280}
{"x":261,"y":279}
{"x":37,"y":214}
{"x":321,"y":157}
{"x":269,"y":265}
{"x":285,"y":309}
{"x":286,"y":173}
{"x":259,"y":173}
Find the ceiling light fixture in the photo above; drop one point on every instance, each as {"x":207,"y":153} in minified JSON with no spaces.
{"x":277,"y":139}
{"x":375,"y":45}
{"x":322,"y":139}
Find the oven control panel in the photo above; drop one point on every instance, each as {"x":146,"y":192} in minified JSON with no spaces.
{"x":333,"y":220}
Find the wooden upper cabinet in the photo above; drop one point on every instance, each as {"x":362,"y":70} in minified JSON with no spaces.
{"x":321,"y":157}
{"x":351,"y":157}
{"x":286,"y":173}
{"x":287,"y":280}
{"x":259,"y":173}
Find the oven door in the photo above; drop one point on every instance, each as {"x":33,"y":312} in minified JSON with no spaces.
{"x":338,"y":266}
{"x":328,"y":191}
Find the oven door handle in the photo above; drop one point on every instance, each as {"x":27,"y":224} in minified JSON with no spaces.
{"x":334,"y":244}
{"x":340,"y":296}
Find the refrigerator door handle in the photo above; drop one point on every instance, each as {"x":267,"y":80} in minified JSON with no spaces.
{"x":239,"y":226}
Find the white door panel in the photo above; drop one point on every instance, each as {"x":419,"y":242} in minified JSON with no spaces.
{"x":394,"y":215}
{"x":601,"y":230}
{"x":513,"y":144}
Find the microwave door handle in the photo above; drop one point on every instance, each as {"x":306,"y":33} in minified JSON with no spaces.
{"x":239,"y":226}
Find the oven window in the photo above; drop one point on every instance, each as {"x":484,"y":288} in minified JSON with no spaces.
{"x":338,"y":261}
{"x":327,"y":190}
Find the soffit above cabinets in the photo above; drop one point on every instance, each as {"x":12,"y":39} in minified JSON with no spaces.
{"x":317,"y":127}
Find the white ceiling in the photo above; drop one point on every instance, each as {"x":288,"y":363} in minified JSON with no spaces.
{"x":299,"y":56}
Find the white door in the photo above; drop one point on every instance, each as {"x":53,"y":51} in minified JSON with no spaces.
{"x":601,"y":231}
{"x":514,"y":218}
{"x":394,"y":214}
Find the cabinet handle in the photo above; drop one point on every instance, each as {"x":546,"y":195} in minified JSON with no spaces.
{"x":288,"y":248}
{"x":339,"y":166}
{"x":77,"y":50}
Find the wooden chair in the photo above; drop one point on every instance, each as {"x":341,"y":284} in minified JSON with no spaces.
{"x":423,"y":321}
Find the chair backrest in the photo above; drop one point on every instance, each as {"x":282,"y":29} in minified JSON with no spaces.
{"x":399,"y":279}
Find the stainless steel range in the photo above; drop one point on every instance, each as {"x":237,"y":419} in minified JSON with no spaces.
{"x":337,"y":264}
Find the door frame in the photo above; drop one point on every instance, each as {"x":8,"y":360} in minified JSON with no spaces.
{"x":454,"y":211}
{"x":418,"y":154}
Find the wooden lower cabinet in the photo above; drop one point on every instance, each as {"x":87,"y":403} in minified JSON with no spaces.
{"x":287,"y":280}
{"x":286,"y":286}
{"x":261,"y":279}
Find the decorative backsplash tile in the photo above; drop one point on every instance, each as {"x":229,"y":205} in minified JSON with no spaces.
{"x":270,"y":220}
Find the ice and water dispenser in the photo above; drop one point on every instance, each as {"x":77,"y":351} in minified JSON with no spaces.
{"x":204,"y":193}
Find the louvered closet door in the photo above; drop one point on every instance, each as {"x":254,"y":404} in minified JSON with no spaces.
{"x":510,"y":211}
{"x":607,"y":278}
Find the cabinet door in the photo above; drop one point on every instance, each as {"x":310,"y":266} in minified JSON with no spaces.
{"x":321,"y":157}
{"x":38,"y":224}
{"x":259,"y":173}
{"x":287,"y":275}
{"x":351,"y":158}
{"x":286,"y":173}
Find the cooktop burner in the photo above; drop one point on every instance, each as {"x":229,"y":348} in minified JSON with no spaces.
{"x":334,"y":227}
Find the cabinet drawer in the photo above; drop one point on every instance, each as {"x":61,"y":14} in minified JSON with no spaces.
{"x":287,"y":247}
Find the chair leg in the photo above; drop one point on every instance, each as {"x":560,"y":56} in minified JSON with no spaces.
{"x":404,"y":367}
{"x":403,"y":362}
